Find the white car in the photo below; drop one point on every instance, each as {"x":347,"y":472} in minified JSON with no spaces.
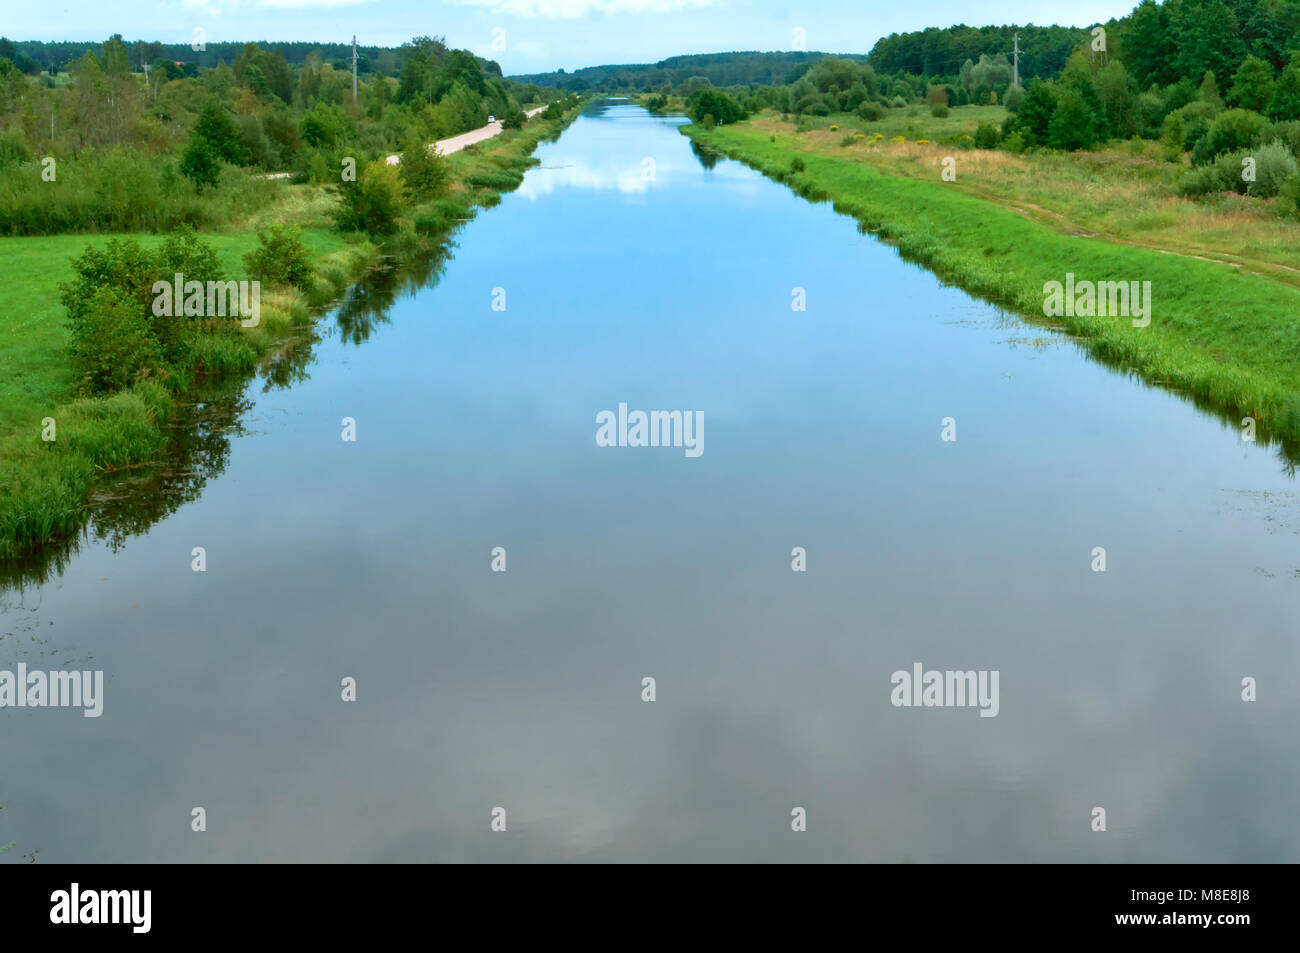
{"x":492,"y":119}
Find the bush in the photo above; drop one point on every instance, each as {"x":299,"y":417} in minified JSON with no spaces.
{"x":1171,"y":136}
{"x":987,"y":136}
{"x":939,"y":111}
{"x":871,"y":112}
{"x":281,"y":259}
{"x":1231,"y":131}
{"x":1015,"y":95}
{"x":1015,"y":143}
{"x":1288,"y":197}
{"x":1221,"y":175}
{"x":373,"y":203}
{"x":112,"y":345}
{"x":796,"y":165}
{"x":129,"y":273}
{"x":715,"y":103}
{"x":199,"y":163}
{"x":13,"y":151}
{"x":1287,"y":133}
{"x":1274,"y":166}
{"x":425,"y":172}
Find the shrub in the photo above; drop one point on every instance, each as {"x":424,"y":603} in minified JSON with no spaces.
{"x":717,"y":104}
{"x":130,"y":272}
{"x":939,"y":111}
{"x":1223,"y":174}
{"x":199,"y":163}
{"x":1015,"y":143}
{"x":281,"y":259}
{"x":1274,"y":165}
{"x":13,"y":151}
{"x":371,"y":204}
{"x":1231,"y":131}
{"x":1171,"y":136}
{"x":425,"y":172}
{"x":1288,"y":197}
{"x":1015,"y":95}
{"x":871,"y":112}
{"x":796,"y":165}
{"x":1287,"y":133}
{"x":987,"y":135}
{"x":112,"y":345}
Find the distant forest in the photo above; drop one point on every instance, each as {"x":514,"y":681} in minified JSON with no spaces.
{"x":33,"y":56}
{"x":720,"y":69}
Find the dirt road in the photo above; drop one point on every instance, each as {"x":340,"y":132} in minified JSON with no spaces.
{"x":456,"y":143}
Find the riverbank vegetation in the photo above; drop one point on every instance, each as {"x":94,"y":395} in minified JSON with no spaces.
{"x":114,"y":141}
{"x":1163,"y":146}
{"x":1225,"y":335}
{"x":91,"y":373}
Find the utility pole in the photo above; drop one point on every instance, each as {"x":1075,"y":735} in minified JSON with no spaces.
{"x":354,"y":69}
{"x":1015,"y":69}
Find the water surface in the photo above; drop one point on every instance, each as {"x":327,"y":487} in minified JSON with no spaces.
{"x":668,"y":285}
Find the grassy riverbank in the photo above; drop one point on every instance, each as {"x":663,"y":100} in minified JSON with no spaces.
{"x":1223,"y":332}
{"x":44,"y":483}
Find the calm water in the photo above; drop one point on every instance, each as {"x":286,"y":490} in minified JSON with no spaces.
{"x":669,"y":286}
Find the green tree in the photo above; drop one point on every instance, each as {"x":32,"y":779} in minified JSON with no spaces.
{"x":1036,"y":110}
{"x":717,"y":104}
{"x":199,"y":163}
{"x":1285,"y":103}
{"x":1252,"y":84}
{"x":425,"y":173}
{"x":1208,"y":37}
{"x":1074,"y":123}
{"x":1209,"y":93}
{"x":1148,"y":45}
{"x":1119,"y":99}
{"x":218,"y":129}
{"x":373,"y":203}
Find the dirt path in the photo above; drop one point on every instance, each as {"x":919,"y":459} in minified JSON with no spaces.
{"x":456,"y":143}
{"x":442,"y":146}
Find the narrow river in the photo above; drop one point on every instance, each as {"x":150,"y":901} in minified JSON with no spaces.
{"x":629,"y":270}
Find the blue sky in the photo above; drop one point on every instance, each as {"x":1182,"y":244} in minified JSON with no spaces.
{"x":540,"y":35}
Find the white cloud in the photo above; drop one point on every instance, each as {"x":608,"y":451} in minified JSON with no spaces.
{"x":572,"y":9}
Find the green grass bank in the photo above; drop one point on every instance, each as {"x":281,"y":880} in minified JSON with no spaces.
{"x":44,"y":483}
{"x":1228,"y":338}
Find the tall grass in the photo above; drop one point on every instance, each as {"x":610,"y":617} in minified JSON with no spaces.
{"x":121,"y":191}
